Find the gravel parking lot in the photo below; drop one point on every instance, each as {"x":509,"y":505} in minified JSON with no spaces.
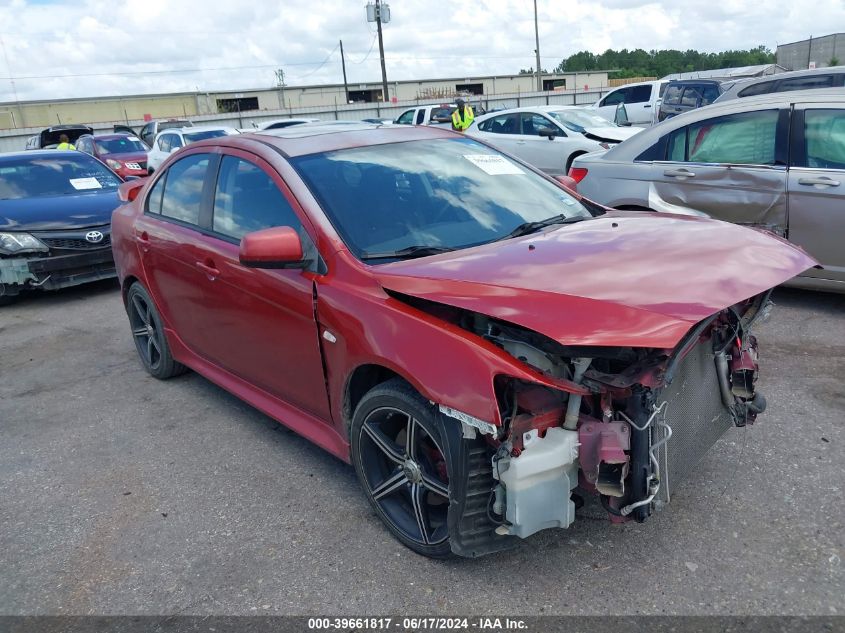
{"x":120,"y":494}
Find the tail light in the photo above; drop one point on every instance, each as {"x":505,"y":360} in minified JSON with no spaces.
{"x":577,"y":173}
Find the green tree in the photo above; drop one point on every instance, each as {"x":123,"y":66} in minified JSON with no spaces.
{"x":834,"y":61}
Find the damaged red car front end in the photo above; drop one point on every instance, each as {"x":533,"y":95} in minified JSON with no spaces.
{"x":485,"y":347}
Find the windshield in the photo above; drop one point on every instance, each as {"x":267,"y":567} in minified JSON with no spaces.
{"x":42,"y":177}
{"x":124,"y":145}
{"x":579,"y":120}
{"x":443,"y":193}
{"x":193,"y":137}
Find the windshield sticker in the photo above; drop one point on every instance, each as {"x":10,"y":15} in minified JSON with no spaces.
{"x":493,"y":164}
{"x":85,"y":183}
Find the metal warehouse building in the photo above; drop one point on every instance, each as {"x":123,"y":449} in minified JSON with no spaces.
{"x":816,"y":52}
{"x":33,"y":114}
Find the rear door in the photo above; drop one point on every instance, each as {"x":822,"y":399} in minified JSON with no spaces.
{"x":608,"y":104}
{"x":502,"y":131}
{"x":817,"y":186}
{"x":731,"y":167}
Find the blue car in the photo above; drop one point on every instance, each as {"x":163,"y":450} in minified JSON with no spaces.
{"x":55,"y":221}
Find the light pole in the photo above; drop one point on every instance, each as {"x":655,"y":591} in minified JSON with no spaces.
{"x":537,"y":50}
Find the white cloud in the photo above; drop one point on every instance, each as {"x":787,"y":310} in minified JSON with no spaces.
{"x":102,"y":45}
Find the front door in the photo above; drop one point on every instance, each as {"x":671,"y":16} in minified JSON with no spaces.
{"x":732,"y":168}
{"x":817,"y":186}
{"x":259,"y":324}
{"x":544,"y":153}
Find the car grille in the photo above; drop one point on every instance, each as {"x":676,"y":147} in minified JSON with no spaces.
{"x":75,"y":240}
{"x":696,"y":415}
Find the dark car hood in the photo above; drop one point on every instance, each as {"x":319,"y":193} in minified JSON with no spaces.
{"x":58,"y":212}
{"x":622,"y":279}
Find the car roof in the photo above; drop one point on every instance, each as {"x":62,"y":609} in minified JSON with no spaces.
{"x":301,"y":140}
{"x":108,"y":137}
{"x":43,"y":153}
{"x":696,"y":81}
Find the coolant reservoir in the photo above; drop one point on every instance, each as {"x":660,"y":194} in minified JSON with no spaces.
{"x":538,"y":484}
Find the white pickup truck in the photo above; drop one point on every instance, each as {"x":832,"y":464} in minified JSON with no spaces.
{"x":438,"y":114}
{"x":641,"y":100}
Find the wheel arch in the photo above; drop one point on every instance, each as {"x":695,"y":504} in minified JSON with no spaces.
{"x":361,"y":380}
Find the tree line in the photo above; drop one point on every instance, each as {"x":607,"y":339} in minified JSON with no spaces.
{"x":642,"y":63}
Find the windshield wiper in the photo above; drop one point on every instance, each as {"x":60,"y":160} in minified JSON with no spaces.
{"x":532,"y":227}
{"x":408,"y":252}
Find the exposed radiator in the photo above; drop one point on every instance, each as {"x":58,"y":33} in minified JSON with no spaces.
{"x":696,"y":415}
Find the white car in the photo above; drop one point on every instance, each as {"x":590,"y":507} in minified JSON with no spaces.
{"x":549,"y":137}
{"x":278,"y":124}
{"x":169,"y":141}
{"x":641,"y":101}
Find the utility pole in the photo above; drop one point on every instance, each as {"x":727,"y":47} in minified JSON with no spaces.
{"x":537,"y":50}
{"x":280,"y":84}
{"x":385,"y":96}
{"x":343,"y":63}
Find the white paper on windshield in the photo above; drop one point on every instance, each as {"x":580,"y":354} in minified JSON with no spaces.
{"x":134,"y":138}
{"x":85,"y":183}
{"x":493,"y":164}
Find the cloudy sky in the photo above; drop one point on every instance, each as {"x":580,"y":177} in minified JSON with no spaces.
{"x":74,"y":48}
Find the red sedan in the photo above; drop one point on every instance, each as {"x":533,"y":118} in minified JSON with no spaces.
{"x":126,"y":155}
{"x":483,"y":345}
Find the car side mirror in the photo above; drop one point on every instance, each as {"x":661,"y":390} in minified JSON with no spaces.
{"x":277,"y":247}
{"x":621,"y":116}
{"x":548,"y":133}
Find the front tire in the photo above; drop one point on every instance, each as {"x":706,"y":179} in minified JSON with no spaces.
{"x":399,"y":454}
{"x":148,"y":334}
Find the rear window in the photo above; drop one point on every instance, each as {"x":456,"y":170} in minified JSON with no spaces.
{"x":193,"y":137}
{"x":762,"y":88}
{"x":42,"y":177}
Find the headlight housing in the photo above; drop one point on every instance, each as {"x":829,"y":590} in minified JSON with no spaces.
{"x":114,"y":164}
{"x":14,"y":243}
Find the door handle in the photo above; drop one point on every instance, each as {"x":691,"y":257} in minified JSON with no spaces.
{"x":823,"y":181}
{"x":208,"y":268}
{"x":679,"y":173}
{"x":648,"y":105}
{"x":144,"y":240}
{"x":520,"y":142}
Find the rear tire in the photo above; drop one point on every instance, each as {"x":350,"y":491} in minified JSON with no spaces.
{"x":399,"y":454}
{"x":148,"y":334}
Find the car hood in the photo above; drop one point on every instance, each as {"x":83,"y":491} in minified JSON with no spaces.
{"x":611,"y":133}
{"x":622,"y":279}
{"x":58,"y":212}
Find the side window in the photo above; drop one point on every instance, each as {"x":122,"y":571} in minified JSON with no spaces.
{"x":747,"y":138}
{"x":164,"y":142}
{"x":175,"y":142}
{"x":154,"y":199}
{"x":677,"y":146}
{"x":183,"y":190}
{"x":504,"y":124}
{"x":763,"y":88}
{"x":614,"y":98}
{"x":691,"y":96}
{"x":532,"y":124}
{"x":420,"y":117}
{"x":406,"y":118}
{"x":639,"y":94}
{"x":673,"y":95}
{"x":806,"y":83}
{"x":709,"y":93}
{"x":147,"y":131}
{"x":246,"y":199}
{"x":824,"y":138}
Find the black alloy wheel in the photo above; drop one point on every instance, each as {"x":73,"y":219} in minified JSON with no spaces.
{"x":148,"y":334}
{"x":397,"y":449}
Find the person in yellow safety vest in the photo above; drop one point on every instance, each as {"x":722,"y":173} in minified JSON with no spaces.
{"x":64,"y":143}
{"x":462,"y":117}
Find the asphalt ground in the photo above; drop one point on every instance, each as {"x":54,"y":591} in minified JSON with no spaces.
{"x":121,"y":494}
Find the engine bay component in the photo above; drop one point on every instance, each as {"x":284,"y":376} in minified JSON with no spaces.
{"x":602,"y":456}
{"x":537,"y":485}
